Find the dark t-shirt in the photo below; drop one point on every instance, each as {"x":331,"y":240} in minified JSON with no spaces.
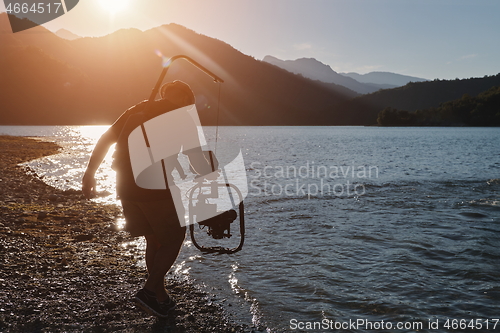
{"x":126,"y":186}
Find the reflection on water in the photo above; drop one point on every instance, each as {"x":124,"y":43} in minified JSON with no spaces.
{"x":120,"y":223}
{"x":420,"y":244}
{"x":65,"y":170}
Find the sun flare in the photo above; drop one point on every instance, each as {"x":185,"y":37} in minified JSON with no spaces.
{"x":114,"y":6}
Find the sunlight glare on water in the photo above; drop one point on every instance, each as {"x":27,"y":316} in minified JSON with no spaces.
{"x":420,"y":243}
{"x":120,"y":223}
{"x":233,"y":280}
{"x":181,"y":268}
{"x":65,"y":170}
{"x":92,"y":133}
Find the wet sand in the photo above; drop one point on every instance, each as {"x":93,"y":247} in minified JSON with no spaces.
{"x":63,"y":267}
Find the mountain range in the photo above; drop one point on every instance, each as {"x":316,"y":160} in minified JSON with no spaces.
{"x":92,"y":80}
{"x":393,"y":80}
{"x":49,"y":80}
{"x":66,"y":34}
{"x":362,"y":84}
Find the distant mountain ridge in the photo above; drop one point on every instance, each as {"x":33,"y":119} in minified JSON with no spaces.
{"x":63,"y":33}
{"x":363,"y":84}
{"x":387,"y":78}
{"x":316,"y":70}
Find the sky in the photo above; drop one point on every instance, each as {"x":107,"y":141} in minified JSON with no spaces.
{"x":444,"y":39}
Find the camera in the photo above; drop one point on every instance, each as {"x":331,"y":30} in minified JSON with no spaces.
{"x":219,"y":226}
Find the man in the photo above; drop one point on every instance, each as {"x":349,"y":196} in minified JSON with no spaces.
{"x":149,"y":212}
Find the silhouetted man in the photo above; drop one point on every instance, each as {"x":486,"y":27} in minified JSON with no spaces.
{"x":150,"y":211}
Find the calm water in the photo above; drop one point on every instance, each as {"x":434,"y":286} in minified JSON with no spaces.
{"x":400,"y":225}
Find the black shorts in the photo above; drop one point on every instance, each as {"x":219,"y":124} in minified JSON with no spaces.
{"x":157,"y":218}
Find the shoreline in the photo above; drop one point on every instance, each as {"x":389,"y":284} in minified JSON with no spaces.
{"x":64,"y":268}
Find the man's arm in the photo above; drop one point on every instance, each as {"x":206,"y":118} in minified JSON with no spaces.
{"x":98,"y":154}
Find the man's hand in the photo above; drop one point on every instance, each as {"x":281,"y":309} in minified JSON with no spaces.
{"x":213,"y":175}
{"x":89,"y":186}
{"x":101,"y":149}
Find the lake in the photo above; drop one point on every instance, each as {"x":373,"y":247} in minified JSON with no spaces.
{"x":352,"y":228}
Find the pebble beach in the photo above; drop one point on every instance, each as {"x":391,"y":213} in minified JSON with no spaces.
{"x":64,"y":266}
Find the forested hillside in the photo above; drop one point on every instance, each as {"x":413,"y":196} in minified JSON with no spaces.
{"x":364,"y":110}
{"x":45,"y":79}
{"x":483,"y":110}
{"x":48,"y":80}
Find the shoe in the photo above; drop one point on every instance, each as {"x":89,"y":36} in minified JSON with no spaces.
{"x":168,"y":304}
{"x":146,"y":300}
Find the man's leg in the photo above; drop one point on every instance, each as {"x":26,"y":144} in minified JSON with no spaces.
{"x":152,"y":247}
{"x":159,"y":258}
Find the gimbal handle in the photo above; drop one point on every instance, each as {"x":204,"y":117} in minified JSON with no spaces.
{"x":169,"y":62}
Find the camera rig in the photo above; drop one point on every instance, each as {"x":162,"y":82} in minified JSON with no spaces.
{"x":218,"y":226}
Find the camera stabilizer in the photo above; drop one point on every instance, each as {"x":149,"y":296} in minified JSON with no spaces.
{"x":218,"y":226}
{"x":201,"y":211}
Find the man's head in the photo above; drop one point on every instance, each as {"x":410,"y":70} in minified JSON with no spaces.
{"x":178,"y":93}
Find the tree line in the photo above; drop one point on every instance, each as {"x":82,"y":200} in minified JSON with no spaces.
{"x":364,"y":110}
{"x":482,"y":110}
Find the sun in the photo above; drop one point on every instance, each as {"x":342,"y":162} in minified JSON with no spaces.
{"x":114,"y":6}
